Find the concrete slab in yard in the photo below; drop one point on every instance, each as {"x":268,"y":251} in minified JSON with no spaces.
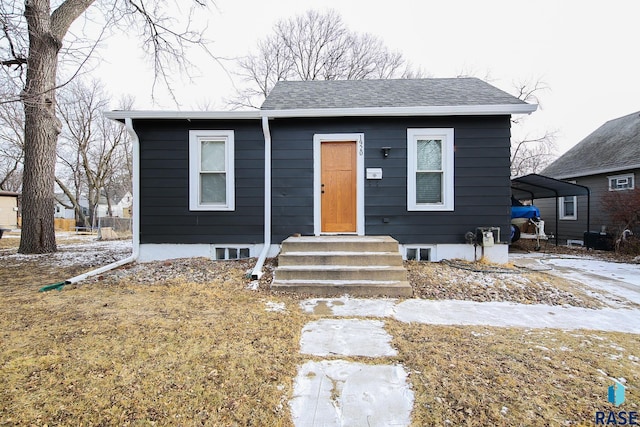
{"x":346,"y":337}
{"x":341,"y":393}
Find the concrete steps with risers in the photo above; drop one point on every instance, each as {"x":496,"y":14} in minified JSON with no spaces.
{"x":335,"y":265}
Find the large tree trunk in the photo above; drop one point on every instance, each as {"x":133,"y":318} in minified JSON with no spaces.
{"x":42,"y":127}
{"x":41,"y":130}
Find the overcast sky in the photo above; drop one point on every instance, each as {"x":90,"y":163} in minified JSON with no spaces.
{"x":587,"y":52}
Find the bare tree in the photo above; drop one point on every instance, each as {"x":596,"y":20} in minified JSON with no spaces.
{"x":92,"y":148}
{"x":530,"y":153}
{"x":31,"y":47}
{"x":315,"y":46}
{"x":11,"y":146}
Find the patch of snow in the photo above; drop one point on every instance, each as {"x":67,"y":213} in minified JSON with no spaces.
{"x":93,"y":253}
{"x":277,"y":307}
{"x":253,"y":285}
{"x":341,"y":393}
{"x":494,"y":313}
{"x":517,"y":315}
{"x":346,"y":337}
{"x":347,"y":306}
{"x":619,"y":279}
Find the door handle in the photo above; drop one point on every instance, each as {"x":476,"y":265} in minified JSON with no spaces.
{"x":322,"y":190}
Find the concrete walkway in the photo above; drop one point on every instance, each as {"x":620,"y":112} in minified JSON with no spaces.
{"x":339,"y":392}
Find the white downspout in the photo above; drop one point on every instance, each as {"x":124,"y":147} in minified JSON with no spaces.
{"x":257,"y":270}
{"x":136,"y":212}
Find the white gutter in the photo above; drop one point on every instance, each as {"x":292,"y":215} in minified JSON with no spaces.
{"x":611,"y":170}
{"x":136,"y":212}
{"x":439,"y":110}
{"x":257,"y":270}
{"x":187,"y":115}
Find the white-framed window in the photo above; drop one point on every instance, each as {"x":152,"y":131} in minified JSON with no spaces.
{"x":211,"y":170}
{"x":568,"y":207}
{"x":430,"y":169}
{"x":621,"y":182}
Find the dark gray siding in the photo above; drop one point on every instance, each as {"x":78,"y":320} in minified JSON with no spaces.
{"x":482,"y":186}
{"x":574,"y":229}
{"x":164,"y":180}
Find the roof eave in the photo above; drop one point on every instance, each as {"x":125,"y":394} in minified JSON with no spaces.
{"x":613,"y":169}
{"x":453,"y":110}
{"x":186,"y":115}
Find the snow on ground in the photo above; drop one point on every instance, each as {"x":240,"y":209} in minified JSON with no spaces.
{"x":346,"y":337}
{"x":342,"y":393}
{"x":88,"y":252}
{"x":454,"y":312}
{"x":602,"y":277}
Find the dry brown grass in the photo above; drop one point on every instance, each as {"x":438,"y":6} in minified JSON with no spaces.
{"x":171,"y":353}
{"x":480,"y":376}
{"x":185,"y":343}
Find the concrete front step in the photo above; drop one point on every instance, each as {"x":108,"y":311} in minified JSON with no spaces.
{"x":334,"y":265}
{"x":341,"y":272}
{"x":340,"y":258}
{"x":340,"y":244}
{"x":364,"y":288}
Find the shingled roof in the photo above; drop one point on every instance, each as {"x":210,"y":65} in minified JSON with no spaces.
{"x":353,"y":94}
{"x":614,"y":146}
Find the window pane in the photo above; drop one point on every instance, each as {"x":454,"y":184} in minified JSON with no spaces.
{"x":428,"y":187}
{"x":568,"y":207}
{"x":212,"y":156}
{"x":429,"y":154}
{"x":213,"y":188}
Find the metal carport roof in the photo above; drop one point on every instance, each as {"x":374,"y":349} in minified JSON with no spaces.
{"x":534,"y":186}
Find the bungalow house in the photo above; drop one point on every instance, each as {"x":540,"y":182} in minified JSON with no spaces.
{"x":64,"y":206}
{"x":606,"y":161}
{"x":121,"y":209}
{"x":425,"y":161}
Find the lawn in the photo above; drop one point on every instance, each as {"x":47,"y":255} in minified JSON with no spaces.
{"x":187,"y":343}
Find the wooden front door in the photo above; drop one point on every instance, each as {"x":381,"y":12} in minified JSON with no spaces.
{"x":338,"y":187}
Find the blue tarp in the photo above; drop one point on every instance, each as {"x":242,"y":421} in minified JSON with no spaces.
{"x":525,"y":212}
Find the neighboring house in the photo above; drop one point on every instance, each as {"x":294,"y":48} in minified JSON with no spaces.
{"x":63,"y":211}
{"x":424,"y":161}
{"x":121,"y":209}
{"x":8,"y":209}
{"x":606,"y":160}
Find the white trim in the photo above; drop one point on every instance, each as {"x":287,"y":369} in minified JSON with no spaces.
{"x":195,"y":137}
{"x":187,"y":115}
{"x":622,"y":176}
{"x":597,"y":171}
{"x":448,"y":110}
{"x":436,"y":110}
{"x":561,"y":212}
{"x":163,"y":251}
{"x":498,"y":253}
{"x":318,"y":139}
{"x":447,"y":137}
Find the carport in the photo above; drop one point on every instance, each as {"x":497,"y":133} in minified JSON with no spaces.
{"x":534,"y":186}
